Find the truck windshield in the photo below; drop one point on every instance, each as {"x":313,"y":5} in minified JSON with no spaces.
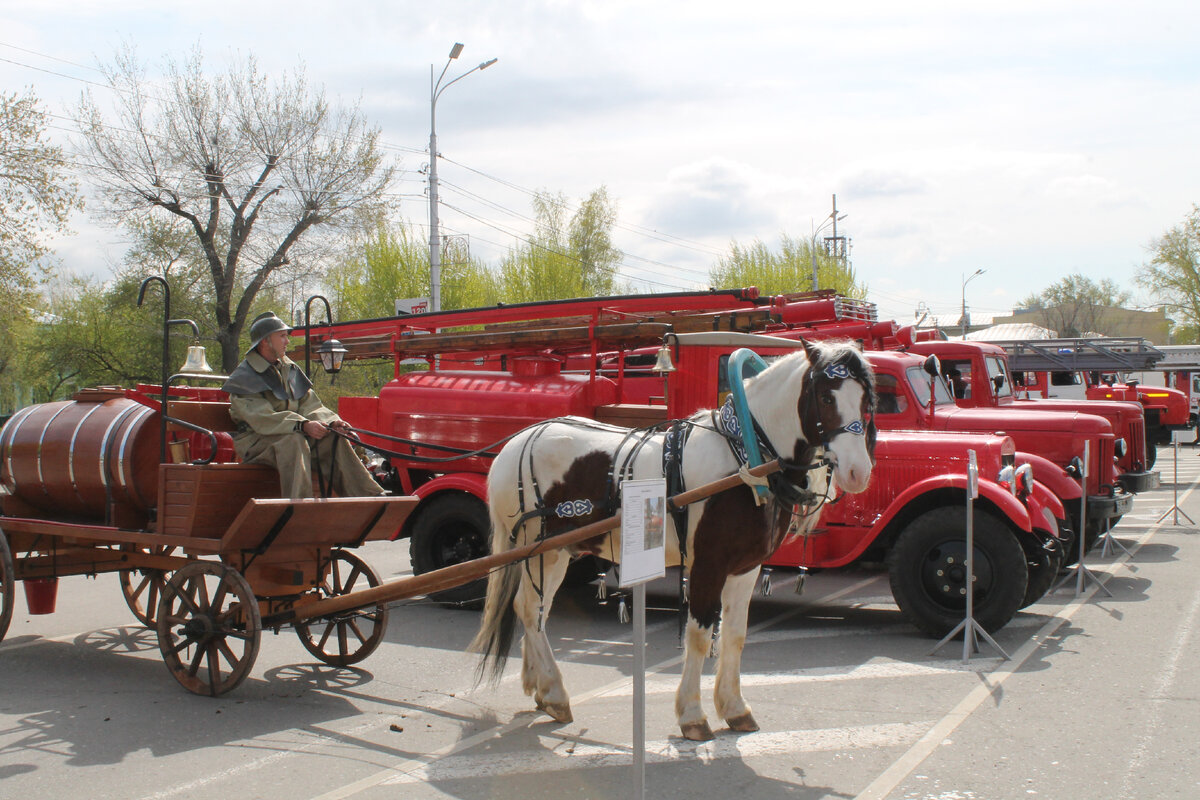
{"x":920,"y":381}
{"x":998,"y":375}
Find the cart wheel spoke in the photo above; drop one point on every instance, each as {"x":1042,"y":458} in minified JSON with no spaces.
{"x":351,"y":626}
{"x":142,"y":588}
{"x":346,"y":638}
{"x":208,"y":627}
{"x":325,"y":636}
{"x":183,"y":644}
{"x":194,"y":667}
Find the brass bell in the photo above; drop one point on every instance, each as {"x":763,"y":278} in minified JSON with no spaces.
{"x":197,"y":362}
{"x":664,"y":362}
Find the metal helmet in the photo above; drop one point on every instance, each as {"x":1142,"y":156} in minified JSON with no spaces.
{"x":263,"y":326}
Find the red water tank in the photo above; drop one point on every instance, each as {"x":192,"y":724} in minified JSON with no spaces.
{"x":72,"y":458}
{"x":471,"y":410}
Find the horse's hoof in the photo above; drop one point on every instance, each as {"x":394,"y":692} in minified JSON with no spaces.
{"x":743,"y":724}
{"x":697,"y":731}
{"x":560,"y":712}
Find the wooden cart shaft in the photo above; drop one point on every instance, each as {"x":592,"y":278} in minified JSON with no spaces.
{"x":459,"y":574}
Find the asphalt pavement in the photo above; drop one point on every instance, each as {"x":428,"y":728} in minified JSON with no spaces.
{"x":1097,"y":699}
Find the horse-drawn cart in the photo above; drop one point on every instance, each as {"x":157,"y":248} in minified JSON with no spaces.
{"x":206,"y":552}
{"x":216,"y":560}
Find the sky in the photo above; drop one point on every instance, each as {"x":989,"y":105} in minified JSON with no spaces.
{"x":1030,"y":140}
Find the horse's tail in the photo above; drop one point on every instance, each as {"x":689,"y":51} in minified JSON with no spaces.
{"x":499,"y":621}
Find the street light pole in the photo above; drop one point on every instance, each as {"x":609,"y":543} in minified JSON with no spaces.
{"x":435,"y":242}
{"x":963,"y":319}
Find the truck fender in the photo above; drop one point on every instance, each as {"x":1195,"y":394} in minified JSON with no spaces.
{"x":473,"y":483}
{"x":1052,"y":476}
{"x":1042,"y":504}
{"x":996,"y":495}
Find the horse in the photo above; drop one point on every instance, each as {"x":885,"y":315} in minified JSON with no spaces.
{"x":812,"y":408}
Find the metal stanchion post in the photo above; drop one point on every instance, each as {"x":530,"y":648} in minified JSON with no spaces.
{"x":1175,"y":488}
{"x":1081,"y":570}
{"x":969,"y":627}
{"x":1109,"y":542}
{"x":639,"y":691}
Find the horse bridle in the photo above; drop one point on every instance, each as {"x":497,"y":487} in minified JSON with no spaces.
{"x":835,"y":371}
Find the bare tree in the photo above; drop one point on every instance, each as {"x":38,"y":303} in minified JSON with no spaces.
{"x":263,"y":172}
{"x":1076,"y":305}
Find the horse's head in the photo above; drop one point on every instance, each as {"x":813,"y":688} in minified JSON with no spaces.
{"x":837,"y":411}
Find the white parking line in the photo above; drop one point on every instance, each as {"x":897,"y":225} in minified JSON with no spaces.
{"x":874,"y":669}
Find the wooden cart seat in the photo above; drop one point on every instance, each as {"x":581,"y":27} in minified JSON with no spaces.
{"x":315,"y":522}
{"x":202,"y":500}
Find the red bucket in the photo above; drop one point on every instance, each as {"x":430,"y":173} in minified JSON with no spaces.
{"x":40,"y":594}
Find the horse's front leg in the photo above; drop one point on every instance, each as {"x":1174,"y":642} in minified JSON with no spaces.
{"x":540,"y":676}
{"x":727,"y":694}
{"x":688,"y":711}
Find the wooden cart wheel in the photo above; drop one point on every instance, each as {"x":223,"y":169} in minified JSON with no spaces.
{"x":208,"y":627}
{"x":143,"y":587}
{"x":6,"y":585}
{"x":351,"y":636}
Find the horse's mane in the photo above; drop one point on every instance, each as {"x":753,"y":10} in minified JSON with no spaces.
{"x":822,"y":354}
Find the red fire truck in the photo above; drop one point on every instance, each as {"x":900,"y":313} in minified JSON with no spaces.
{"x":494,"y":371}
{"x":979,"y":377}
{"x":1095,"y":369}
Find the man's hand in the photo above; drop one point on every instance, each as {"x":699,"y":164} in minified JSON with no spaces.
{"x":314,"y":429}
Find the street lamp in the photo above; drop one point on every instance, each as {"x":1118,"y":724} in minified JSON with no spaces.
{"x":963,"y":319}
{"x":330,"y":351}
{"x":833,"y":218}
{"x":435,"y":244}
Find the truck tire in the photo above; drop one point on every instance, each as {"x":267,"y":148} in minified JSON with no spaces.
{"x":1043,"y":566}
{"x":927,"y":568}
{"x":451,"y":529}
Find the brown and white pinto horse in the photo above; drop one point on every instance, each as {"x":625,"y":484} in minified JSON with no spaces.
{"x":812,"y":408}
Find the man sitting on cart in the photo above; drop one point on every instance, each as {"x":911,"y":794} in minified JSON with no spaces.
{"x":282,"y":423}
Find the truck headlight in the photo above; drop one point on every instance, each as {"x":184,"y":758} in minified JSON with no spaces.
{"x":1024,"y":480}
{"x":1075,"y":468}
{"x":1120,"y":448}
{"x":1006,"y":478}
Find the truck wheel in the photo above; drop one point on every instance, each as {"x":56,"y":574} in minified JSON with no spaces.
{"x":452,"y":529}
{"x":1151,"y":452}
{"x":927,"y":567}
{"x":1043,"y":566}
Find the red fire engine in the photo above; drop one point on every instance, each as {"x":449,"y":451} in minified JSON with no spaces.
{"x":494,"y":371}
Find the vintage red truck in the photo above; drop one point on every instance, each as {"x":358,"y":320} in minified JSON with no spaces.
{"x":979,"y":377}
{"x":494,"y":371}
{"x":1095,"y":369}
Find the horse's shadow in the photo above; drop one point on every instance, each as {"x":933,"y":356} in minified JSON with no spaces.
{"x":575,"y":764}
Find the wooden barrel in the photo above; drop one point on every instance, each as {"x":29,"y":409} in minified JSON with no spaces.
{"x":72,"y":459}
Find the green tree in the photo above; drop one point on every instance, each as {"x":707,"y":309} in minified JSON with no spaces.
{"x":263,"y":174}
{"x":788,"y":269}
{"x":93,"y":336}
{"x":386,"y":263}
{"x":389,"y":262}
{"x":37,"y":196}
{"x":1173,"y":275}
{"x":564,"y":259}
{"x":1076,"y":305}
